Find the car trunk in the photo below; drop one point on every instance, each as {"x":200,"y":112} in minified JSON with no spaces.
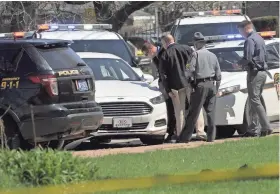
{"x":75,"y":80}
{"x":75,"y":85}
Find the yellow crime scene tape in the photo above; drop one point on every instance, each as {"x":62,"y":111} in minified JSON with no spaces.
{"x":266,"y":171}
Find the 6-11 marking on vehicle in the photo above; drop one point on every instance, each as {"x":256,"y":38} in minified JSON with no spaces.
{"x":10,"y":82}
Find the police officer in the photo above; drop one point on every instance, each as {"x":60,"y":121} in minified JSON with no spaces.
{"x":206,"y":81}
{"x":172,"y":67}
{"x":155,"y":53}
{"x":254,"y":61}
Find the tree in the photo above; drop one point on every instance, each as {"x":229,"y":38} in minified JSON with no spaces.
{"x":115,"y":13}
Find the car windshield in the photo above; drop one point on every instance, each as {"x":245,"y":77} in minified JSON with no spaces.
{"x":229,"y":58}
{"x":111,"y":69}
{"x":184,"y":33}
{"x":115,"y":47}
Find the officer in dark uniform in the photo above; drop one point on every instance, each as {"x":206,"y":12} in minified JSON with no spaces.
{"x":254,"y":61}
{"x":155,"y":53}
{"x":206,"y":76}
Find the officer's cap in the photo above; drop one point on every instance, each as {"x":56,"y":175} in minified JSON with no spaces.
{"x":198,"y":37}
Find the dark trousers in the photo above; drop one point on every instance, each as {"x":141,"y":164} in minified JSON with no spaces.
{"x":255,"y":84}
{"x":204,"y":95}
{"x":171,"y":125}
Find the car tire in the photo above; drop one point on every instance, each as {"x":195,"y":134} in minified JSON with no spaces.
{"x":13,"y":137}
{"x":152,"y":140}
{"x":225,"y":132}
{"x":242,"y":129}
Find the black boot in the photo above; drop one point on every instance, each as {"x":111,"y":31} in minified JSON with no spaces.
{"x":250,"y":134}
{"x":171,"y":138}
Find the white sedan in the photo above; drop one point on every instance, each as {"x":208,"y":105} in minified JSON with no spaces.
{"x":132,"y":109}
{"x":232,"y":109}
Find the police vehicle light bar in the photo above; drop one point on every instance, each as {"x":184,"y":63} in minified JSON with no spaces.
{"x":16,"y":35}
{"x":213,"y":13}
{"x":223,"y":37}
{"x":267,"y":33}
{"x":72,"y":27}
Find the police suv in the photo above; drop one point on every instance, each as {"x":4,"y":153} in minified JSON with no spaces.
{"x":90,"y":38}
{"x":47,"y":92}
{"x":209,"y":23}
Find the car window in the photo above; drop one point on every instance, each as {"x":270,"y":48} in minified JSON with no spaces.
{"x":8,"y":60}
{"x":272,"y":55}
{"x":125,"y":76}
{"x":60,"y":57}
{"x":111,"y":69}
{"x":228,"y":58}
{"x":115,"y":47}
{"x":26,"y":65}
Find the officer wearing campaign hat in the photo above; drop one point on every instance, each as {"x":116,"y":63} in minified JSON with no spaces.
{"x":206,"y":77}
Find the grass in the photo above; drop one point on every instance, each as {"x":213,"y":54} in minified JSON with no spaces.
{"x":254,"y":152}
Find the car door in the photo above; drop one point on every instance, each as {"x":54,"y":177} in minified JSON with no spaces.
{"x":269,"y":94}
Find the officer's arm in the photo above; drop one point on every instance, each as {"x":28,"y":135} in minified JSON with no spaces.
{"x":163,"y":69}
{"x":218,"y":74}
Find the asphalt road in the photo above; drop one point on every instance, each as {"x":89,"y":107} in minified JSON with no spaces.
{"x":134,"y":142}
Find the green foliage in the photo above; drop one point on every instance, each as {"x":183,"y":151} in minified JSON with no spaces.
{"x":267,"y":23}
{"x":43,"y":167}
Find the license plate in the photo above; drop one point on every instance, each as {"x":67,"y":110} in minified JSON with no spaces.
{"x":82,"y":85}
{"x":122,"y":122}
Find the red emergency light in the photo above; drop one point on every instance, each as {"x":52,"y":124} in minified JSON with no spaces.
{"x":267,"y":34}
{"x":19,"y":34}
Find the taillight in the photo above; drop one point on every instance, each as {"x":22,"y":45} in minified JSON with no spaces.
{"x":49,"y":82}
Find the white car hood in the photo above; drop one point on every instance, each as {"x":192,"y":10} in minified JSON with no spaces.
{"x":228,"y":79}
{"x":113,"y":88}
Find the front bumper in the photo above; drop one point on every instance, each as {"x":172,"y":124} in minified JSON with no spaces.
{"x":143,"y":125}
{"x":61,"y":125}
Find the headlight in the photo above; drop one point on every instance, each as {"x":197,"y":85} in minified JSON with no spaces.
{"x":228,"y":90}
{"x":157,"y":100}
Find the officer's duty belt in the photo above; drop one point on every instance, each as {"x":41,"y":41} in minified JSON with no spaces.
{"x":205,"y":79}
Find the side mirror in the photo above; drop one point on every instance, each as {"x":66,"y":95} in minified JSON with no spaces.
{"x":147,"y":78}
{"x":136,"y":60}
